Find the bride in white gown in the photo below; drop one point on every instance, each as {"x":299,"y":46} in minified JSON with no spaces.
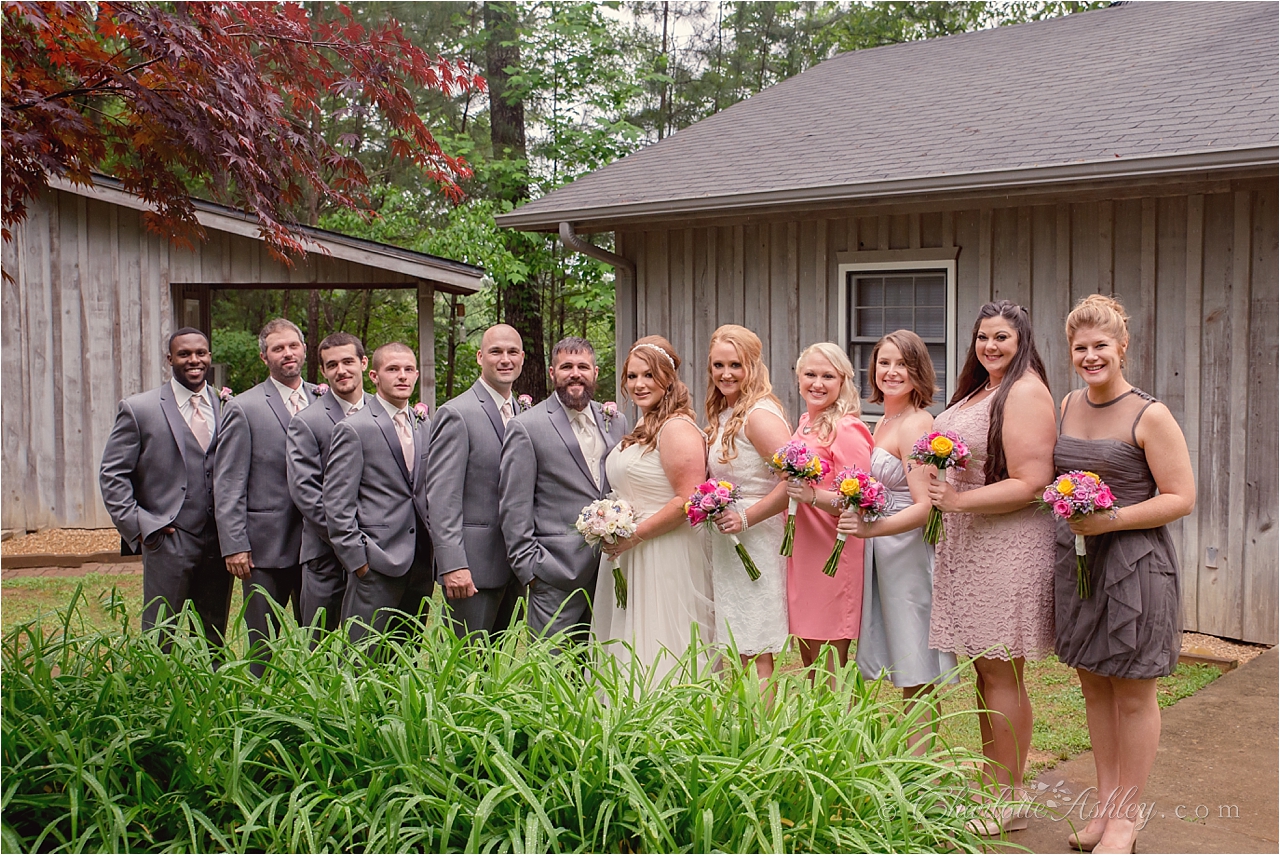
{"x":655,"y":468}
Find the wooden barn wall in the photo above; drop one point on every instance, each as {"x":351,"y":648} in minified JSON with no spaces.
{"x":1197,"y":273}
{"x":84,"y":320}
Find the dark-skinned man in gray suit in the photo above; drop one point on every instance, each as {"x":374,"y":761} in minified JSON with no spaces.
{"x":157,"y":483}
{"x":375,"y":502}
{"x":258,"y":525}
{"x":552,"y":466}
{"x":324,"y":580}
{"x":462,"y":487}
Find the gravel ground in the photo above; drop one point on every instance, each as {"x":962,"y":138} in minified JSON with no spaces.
{"x":1194,"y":642}
{"x":63,"y":541}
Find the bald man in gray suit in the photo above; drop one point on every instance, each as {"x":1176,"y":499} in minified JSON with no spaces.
{"x":157,"y":483}
{"x":552,"y":466}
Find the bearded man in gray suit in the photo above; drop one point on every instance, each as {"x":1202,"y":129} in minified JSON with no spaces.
{"x":462,"y":487}
{"x":324,"y":581}
{"x":258,"y":525}
{"x":157,"y":483}
{"x":552,"y":466}
{"x":375,"y":501}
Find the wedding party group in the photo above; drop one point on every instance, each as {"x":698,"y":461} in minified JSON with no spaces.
{"x":1002,"y":530}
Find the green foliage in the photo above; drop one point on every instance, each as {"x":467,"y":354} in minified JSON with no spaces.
{"x":238,"y":350}
{"x":109,"y":744}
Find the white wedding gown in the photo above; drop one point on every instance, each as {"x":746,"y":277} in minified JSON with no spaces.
{"x":668,"y":578}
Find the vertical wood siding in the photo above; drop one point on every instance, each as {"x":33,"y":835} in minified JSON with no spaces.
{"x":84,"y":323}
{"x":1197,"y":273}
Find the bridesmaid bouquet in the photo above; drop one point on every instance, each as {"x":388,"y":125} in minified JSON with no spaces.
{"x":855,"y":490}
{"x":943,"y":450}
{"x":709,"y":501}
{"x":796,"y":460}
{"x":605,"y":521}
{"x":1074,"y":495}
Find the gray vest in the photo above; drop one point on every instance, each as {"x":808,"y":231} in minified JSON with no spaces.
{"x":197,"y":505}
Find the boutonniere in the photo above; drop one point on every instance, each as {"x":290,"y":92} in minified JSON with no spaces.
{"x":420,"y":411}
{"x":224,"y":394}
{"x":609,"y":409}
{"x":321,"y":390}
{"x":525,"y":402}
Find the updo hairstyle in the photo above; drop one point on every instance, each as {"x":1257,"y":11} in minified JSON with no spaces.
{"x":1103,"y":313}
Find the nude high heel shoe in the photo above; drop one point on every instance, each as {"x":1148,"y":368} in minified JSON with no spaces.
{"x":1084,"y":840}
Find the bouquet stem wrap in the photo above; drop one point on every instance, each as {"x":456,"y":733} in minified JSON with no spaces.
{"x":1083,"y":588}
{"x":753,"y":572}
{"x":933,"y":531}
{"x":789,"y":530}
{"x":619,"y":585}
{"x":833,"y":561}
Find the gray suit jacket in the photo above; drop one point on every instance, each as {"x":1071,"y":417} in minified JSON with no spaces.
{"x":544,"y":483}
{"x":141,"y":476}
{"x":462,"y":486}
{"x":251,"y":481}
{"x":376,"y":510}
{"x":309,"y":435}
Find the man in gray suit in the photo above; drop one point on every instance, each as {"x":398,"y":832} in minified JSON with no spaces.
{"x":324,"y":581}
{"x":552,"y":466}
{"x":462,"y":486}
{"x":375,"y":500}
{"x":258,"y":525}
{"x":157,"y":483}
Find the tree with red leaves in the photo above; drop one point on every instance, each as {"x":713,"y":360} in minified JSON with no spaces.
{"x":229,"y":98}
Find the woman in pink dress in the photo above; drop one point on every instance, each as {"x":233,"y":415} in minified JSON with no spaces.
{"x":826,"y":609}
{"x":993,"y":575}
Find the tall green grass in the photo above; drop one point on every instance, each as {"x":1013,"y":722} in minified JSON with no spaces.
{"x":108,"y":744}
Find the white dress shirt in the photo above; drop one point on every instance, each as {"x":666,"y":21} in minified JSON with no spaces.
{"x":590,"y":441}
{"x":498,"y":400}
{"x":188,"y":400}
{"x":286,"y":393}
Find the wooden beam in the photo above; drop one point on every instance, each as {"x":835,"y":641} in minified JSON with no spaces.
{"x":1241,"y":258}
{"x":1194,"y":320}
{"x":427,"y":344}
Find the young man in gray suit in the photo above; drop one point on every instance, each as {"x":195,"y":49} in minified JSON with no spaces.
{"x":258,"y":525}
{"x":375,"y":500}
{"x":157,"y":483}
{"x":324,"y":581}
{"x":553,"y":465}
{"x":462,"y":487}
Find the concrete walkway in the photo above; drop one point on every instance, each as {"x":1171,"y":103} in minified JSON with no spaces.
{"x":1216,"y":783}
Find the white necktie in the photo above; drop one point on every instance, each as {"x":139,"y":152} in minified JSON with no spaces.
{"x":199,"y":424}
{"x":506,"y":412}
{"x":296,"y":402}
{"x":401,"y":420}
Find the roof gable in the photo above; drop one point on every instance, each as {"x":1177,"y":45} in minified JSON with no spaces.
{"x":1136,"y":82}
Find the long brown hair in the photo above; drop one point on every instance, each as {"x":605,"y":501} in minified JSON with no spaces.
{"x":675,"y":400}
{"x":915,"y":353}
{"x":755,"y":387}
{"x":973,"y":375}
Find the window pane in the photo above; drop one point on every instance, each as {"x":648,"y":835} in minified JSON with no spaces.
{"x":931,"y":322}
{"x":938,"y":353}
{"x":871,"y":292}
{"x":870,"y":322}
{"x":898,"y":291}
{"x":931,"y":291}
{"x":861,"y":358}
{"x":898,"y":319}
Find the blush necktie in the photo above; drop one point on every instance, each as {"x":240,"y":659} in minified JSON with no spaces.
{"x":506,"y":412}
{"x":401,"y":420}
{"x":296,"y":402}
{"x":200,"y":425}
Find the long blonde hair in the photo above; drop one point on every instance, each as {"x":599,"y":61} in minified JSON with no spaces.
{"x":754,"y":388}
{"x":846,"y":403}
{"x":657,"y":354}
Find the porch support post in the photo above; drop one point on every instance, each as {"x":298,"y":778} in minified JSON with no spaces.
{"x":427,"y":343}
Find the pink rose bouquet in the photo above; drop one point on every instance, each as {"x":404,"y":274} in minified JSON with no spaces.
{"x":605,"y":521}
{"x":1074,"y":495}
{"x":943,"y":450}
{"x":708,"y":502}
{"x":795,"y":460}
{"x":855,"y":490}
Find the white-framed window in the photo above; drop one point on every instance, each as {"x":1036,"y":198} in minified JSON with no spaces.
{"x":880,"y":295}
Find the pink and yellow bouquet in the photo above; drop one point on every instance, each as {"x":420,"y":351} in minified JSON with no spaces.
{"x":943,"y":450}
{"x":709,"y":501}
{"x":797,"y":461}
{"x":1073,"y":495}
{"x":855,"y":490}
{"x":605,"y":521}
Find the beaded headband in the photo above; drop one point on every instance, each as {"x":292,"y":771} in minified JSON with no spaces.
{"x":655,"y":347}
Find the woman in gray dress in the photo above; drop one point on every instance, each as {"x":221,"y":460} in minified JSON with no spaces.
{"x":897,"y":594}
{"x":1127,"y":632}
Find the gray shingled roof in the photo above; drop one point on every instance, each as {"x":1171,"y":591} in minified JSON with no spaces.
{"x":1162,"y":84}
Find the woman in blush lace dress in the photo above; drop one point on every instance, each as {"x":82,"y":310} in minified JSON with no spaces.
{"x":655,"y":468}
{"x":897,"y":594}
{"x":745,"y":425}
{"x":993,"y":576}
